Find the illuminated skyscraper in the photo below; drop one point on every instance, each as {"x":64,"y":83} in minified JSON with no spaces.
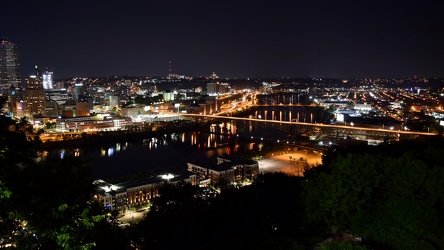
{"x":47,"y":80}
{"x":34,"y":94}
{"x":9,"y":66}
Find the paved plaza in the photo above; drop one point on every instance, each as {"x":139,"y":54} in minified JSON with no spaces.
{"x":290,"y":162}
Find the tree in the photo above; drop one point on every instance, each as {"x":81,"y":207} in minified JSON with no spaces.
{"x":52,"y":202}
{"x":174,"y":218}
{"x":341,"y":246}
{"x":394,"y":196}
{"x":50,"y":125}
{"x":268,"y":214}
{"x":46,"y":204}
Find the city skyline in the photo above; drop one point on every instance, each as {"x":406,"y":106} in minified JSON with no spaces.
{"x":235,"y":40}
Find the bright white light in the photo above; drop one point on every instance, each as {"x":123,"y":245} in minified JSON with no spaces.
{"x":110,"y":151}
{"x":110,"y":188}
{"x":167,"y":176}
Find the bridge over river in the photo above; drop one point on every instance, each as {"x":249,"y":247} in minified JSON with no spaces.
{"x":313,"y":129}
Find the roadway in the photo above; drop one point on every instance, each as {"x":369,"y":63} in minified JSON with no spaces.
{"x":318,"y":125}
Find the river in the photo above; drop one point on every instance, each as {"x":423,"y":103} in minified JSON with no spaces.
{"x":170,"y":151}
{"x":173,"y":151}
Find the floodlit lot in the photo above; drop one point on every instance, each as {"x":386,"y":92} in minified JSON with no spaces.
{"x":132,"y":216}
{"x":290,"y":163}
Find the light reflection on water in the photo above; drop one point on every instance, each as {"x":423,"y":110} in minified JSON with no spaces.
{"x":170,"y":151}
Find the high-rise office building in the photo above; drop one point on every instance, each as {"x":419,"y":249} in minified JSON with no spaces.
{"x":15,"y":101}
{"x":48,"y":80}
{"x":34,"y":94}
{"x":9,"y":66}
{"x":211,"y":88}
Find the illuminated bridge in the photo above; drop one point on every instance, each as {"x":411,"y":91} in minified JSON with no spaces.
{"x":320,"y":129}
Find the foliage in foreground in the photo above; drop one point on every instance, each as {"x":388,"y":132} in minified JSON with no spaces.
{"x":392,"y":195}
{"x":48,"y":204}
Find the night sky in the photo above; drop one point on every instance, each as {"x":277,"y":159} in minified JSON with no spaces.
{"x":325,"y":39}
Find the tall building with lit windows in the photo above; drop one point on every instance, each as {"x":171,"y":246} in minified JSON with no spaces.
{"x":34,"y":94}
{"x":9,"y":66}
{"x":211,"y":88}
{"x":48,"y":80}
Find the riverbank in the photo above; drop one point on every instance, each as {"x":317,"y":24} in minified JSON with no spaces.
{"x":98,"y":139}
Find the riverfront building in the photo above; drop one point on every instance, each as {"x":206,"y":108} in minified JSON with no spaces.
{"x":231,"y":168}
{"x":92,"y":123}
{"x":125,"y":195}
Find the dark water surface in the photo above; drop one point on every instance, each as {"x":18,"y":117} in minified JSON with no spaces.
{"x":170,"y":153}
{"x":173,"y":151}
